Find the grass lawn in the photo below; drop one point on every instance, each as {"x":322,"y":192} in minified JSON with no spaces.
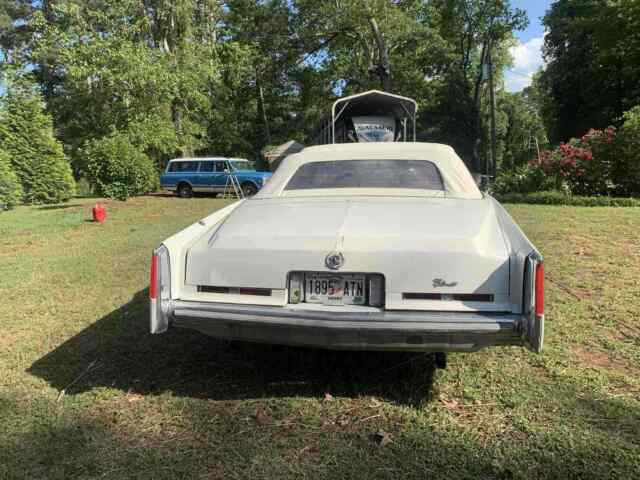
{"x":86,"y":392}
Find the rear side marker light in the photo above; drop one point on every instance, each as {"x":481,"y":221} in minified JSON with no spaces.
{"x":540,"y":289}
{"x":160,"y":290}
{"x":153,"y":278}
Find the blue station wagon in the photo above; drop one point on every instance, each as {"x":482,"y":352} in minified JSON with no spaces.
{"x":184,"y":176}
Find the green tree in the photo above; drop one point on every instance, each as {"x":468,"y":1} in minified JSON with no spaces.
{"x":36,"y":155}
{"x":432,"y":51}
{"x":360,"y":41}
{"x":593,"y":64}
{"x":200,"y":76}
{"x":146,"y":69}
{"x":259,"y":59}
{"x":476,"y":32}
{"x":10,"y":189}
{"x":522,"y":132}
{"x":14,"y":31}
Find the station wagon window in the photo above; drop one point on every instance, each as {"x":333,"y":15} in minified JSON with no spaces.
{"x":221,"y":166}
{"x":183,"y":167}
{"x":410,"y":174}
{"x":207,"y":167}
{"x":243,"y":165}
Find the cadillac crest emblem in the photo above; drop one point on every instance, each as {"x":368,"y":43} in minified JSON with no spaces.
{"x":334,"y":260}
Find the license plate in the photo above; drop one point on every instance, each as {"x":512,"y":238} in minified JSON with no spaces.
{"x":330,"y":289}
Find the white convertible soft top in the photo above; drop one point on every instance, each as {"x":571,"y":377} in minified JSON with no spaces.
{"x":457,"y":180}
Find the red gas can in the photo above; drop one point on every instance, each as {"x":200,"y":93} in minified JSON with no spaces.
{"x":99,"y":213}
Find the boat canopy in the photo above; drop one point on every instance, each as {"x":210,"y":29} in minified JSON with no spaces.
{"x":369,"y":116}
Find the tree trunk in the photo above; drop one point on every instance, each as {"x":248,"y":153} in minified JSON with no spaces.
{"x":383,"y":69}
{"x":494,"y":147}
{"x":476,"y":167}
{"x":45,"y":68}
{"x":263,"y":112}
{"x":184,"y":150}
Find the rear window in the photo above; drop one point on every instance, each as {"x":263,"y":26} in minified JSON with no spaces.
{"x":410,"y":174}
{"x":183,"y":167}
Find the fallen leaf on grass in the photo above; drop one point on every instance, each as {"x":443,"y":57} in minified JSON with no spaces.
{"x":286,"y":428}
{"x":451,"y":404}
{"x":342,"y":421}
{"x":382,"y":438}
{"x":365,"y":419}
{"x":261,"y":417}
{"x":310,"y":450}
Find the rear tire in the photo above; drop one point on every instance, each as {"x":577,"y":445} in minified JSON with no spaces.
{"x":440,"y":360}
{"x":184,"y":190}
{"x":249,"y":189}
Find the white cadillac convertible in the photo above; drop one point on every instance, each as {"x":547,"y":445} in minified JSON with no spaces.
{"x":360,"y":246}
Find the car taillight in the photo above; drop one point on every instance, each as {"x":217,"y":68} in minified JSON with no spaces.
{"x":160,"y":290}
{"x":153,"y":278}
{"x":540,"y":289}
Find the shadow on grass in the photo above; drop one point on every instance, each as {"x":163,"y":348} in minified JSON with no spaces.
{"x":591,"y":437}
{"x":162,"y":195}
{"x":97,"y":444}
{"x":117,"y":351}
{"x":60,"y":206}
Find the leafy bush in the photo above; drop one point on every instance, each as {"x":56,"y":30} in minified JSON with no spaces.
{"x":560,"y":198}
{"x":625,"y":169}
{"x":117,"y":169}
{"x":10,"y":189}
{"x":26,"y":133}
{"x":84,"y":188}
{"x":524,"y":179}
{"x":601,"y":163}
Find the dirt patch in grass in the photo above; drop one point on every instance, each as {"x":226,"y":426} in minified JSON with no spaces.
{"x":603,"y":361}
{"x":628,"y":331}
{"x":21,"y":249}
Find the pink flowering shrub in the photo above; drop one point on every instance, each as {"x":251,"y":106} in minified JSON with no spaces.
{"x":602,"y":162}
{"x":582,"y":164}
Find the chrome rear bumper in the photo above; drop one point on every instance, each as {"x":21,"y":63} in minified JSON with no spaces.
{"x":380,"y":330}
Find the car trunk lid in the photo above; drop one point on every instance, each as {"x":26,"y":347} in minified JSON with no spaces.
{"x":420,"y":245}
